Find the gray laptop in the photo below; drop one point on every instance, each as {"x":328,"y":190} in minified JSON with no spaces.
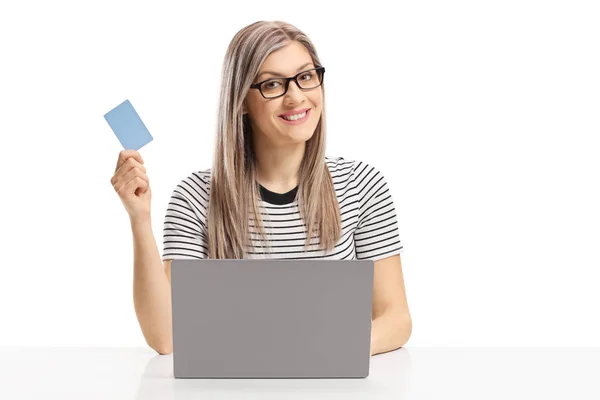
{"x":270,"y":318}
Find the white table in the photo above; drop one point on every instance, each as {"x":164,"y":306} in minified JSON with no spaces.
{"x":408,"y":373}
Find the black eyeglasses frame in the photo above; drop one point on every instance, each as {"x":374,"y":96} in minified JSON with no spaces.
{"x":287,"y":82}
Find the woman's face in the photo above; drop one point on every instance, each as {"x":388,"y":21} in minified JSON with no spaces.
{"x":265,"y":114}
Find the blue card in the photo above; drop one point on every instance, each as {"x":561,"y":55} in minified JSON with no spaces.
{"x":128,"y":126}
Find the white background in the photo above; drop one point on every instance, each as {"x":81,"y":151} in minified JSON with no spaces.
{"x":483,"y":116}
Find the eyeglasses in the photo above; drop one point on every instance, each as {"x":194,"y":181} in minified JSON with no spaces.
{"x":276,"y":87}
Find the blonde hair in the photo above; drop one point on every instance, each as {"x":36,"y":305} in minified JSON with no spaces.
{"x":234,"y":189}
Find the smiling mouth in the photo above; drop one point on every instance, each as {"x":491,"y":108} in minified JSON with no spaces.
{"x":305,"y":114}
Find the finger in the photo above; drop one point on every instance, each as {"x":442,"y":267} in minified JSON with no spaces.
{"x":143,"y":188}
{"x":125,"y":154}
{"x":131,"y":174}
{"x":128,"y":165}
{"x":131,"y":186}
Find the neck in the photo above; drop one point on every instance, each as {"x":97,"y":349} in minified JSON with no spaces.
{"x":279,"y":167}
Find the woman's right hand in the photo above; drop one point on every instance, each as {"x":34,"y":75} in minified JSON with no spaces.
{"x":132,"y":185}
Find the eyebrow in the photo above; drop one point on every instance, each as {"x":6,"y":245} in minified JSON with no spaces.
{"x":278,"y":74}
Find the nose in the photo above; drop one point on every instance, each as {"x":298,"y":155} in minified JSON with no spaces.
{"x":293,"y":90}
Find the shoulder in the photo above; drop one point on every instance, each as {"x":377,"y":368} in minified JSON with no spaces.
{"x":359,"y":171}
{"x":338,"y":165}
{"x":195,"y":187}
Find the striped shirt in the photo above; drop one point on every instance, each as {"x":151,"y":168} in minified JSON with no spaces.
{"x":368,"y":216}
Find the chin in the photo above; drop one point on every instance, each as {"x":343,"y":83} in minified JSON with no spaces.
{"x":306,"y":135}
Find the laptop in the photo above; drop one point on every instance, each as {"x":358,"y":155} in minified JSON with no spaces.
{"x":271,"y":318}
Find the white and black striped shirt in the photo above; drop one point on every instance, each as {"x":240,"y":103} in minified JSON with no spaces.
{"x":369,"y":224}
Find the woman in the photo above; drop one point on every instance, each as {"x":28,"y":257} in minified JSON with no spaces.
{"x":269,"y":180}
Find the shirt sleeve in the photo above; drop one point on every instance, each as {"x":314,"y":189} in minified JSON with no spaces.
{"x":376,"y":235}
{"x":184,"y":231}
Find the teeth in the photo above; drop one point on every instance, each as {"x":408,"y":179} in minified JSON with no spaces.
{"x":295,"y":117}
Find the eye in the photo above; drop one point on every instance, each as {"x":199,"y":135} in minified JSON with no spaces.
{"x":270,"y":84}
{"x":304,"y":76}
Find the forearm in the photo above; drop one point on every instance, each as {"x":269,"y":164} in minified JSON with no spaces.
{"x":151,"y":289}
{"x":390,"y":331}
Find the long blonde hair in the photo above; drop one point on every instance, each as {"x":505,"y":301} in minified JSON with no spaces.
{"x":234,"y":186}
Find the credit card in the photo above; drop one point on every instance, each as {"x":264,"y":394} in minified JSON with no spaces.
{"x":128,"y":126}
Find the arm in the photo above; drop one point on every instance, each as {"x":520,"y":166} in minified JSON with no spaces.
{"x":392,"y":325}
{"x":151,"y":288}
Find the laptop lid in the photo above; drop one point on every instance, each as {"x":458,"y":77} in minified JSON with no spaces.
{"x":269,"y":318}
